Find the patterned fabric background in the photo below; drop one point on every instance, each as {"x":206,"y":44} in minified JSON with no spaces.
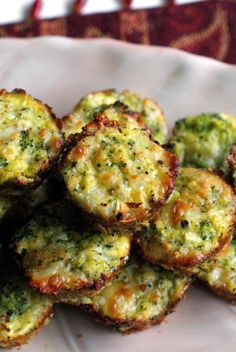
{"x":205,"y":28}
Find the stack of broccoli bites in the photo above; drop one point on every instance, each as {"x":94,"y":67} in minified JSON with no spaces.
{"x":105,"y":216}
{"x":30,"y":147}
{"x":207,"y":141}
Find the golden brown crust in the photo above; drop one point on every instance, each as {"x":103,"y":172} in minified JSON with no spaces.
{"x":90,"y":104}
{"x":11,"y":187}
{"x":193,"y":270}
{"x":134,"y":325}
{"x":123,"y":109}
{"x":84,"y":261}
{"x":120,"y":108}
{"x":87,"y":289}
{"x":15,"y":188}
{"x":185,"y":265}
{"x":221,"y":292}
{"x":140,"y":296}
{"x":90,"y":129}
{"x":56,"y":288}
{"x":186,"y":262}
{"x":22,"y":91}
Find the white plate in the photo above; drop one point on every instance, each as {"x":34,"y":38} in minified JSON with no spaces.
{"x":59,"y":71}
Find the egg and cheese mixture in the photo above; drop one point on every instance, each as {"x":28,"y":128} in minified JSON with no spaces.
{"x":59,"y":255}
{"x":117,"y":174}
{"x":93,"y":103}
{"x":30,"y":140}
{"x":203,"y":141}
{"x":195,"y":223}
{"x":22,"y":310}
{"x":140,"y":296}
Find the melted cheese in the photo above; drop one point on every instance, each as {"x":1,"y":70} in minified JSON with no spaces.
{"x":85,"y":110}
{"x":118,"y":174}
{"x":29,"y":138}
{"x":196,"y":220}
{"x":22,"y":310}
{"x":116,"y":112}
{"x":57,"y":254}
{"x":141,"y":293}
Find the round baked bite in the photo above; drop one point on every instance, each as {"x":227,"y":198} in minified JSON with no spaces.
{"x":62,"y":257}
{"x":219,"y":274}
{"x":94,"y":103}
{"x":203,"y":141}
{"x":30,"y":140}
{"x":121,"y":113}
{"x":115,"y":174}
{"x":115,"y":112}
{"x":22,"y":310}
{"x":194,"y":224}
{"x":140,"y":296}
{"x":194,"y":270}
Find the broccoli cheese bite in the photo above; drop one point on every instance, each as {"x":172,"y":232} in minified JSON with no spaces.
{"x":30,"y":141}
{"x":140,"y":296}
{"x":203,"y":141}
{"x":194,"y":224}
{"x":93,"y":103}
{"x":219,"y":274}
{"x":22,"y":310}
{"x":117,"y":174}
{"x":61,"y":257}
{"x":194,"y":270}
{"x":115,"y":112}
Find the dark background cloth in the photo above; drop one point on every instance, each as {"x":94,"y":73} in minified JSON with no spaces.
{"x":204,"y":28}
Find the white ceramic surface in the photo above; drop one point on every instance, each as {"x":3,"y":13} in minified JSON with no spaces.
{"x":59,"y":71}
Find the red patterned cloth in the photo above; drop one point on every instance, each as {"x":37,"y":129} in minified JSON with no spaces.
{"x":205,"y":28}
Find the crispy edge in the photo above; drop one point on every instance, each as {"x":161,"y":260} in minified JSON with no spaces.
{"x":132,"y":325}
{"x":121,"y":108}
{"x":12,"y":187}
{"x":90,"y":130}
{"x":62,"y":122}
{"x":158,"y":107}
{"x":220,"y":291}
{"x":193,"y":270}
{"x":192,"y":261}
{"x":23,"y":339}
{"x":124,"y":109}
{"x":85,"y":287}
